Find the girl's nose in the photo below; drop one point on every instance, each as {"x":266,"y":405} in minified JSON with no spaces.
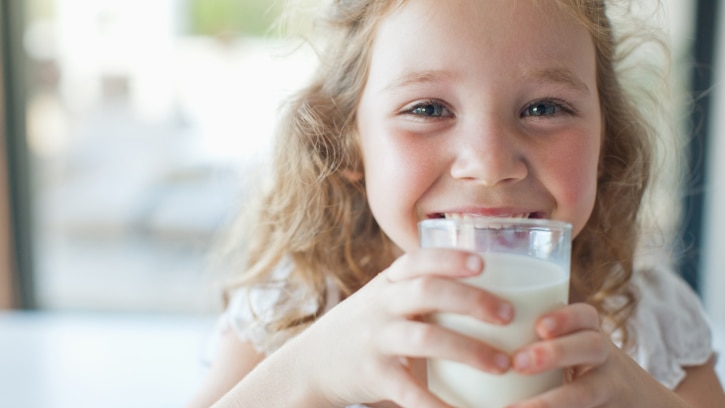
{"x":489,"y":157}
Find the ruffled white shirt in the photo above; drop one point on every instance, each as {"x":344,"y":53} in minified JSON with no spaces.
{"x":669,"y":326}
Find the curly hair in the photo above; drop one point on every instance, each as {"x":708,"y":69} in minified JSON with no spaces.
{"x":317,"y":215}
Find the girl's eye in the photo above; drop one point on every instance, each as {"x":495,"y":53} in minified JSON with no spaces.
{"x":429,"y":109}
{"x":545,"y":108}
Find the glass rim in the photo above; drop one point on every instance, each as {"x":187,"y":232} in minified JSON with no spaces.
{"x":484,"y":222}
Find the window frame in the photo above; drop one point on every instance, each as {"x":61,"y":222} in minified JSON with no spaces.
{"x":18,"y":267}
{"x":699,"y":139}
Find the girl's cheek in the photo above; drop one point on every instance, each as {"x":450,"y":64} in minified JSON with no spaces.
{"x":576,"y":196}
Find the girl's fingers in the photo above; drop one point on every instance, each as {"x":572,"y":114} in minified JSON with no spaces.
{"x":587,"y":392}
{"x":567,"y":320}
{"x":434,"y":261}
{"x":425,"y":295}
{"x":585,"y":348}
{"x":423,"y":340}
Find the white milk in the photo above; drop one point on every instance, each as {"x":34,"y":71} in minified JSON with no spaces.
{"x":533,"y":287}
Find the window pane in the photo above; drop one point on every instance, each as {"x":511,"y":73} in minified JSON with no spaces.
{"x":145,"y":120}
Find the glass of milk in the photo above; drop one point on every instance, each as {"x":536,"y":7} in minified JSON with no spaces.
{"x":527,"y":261}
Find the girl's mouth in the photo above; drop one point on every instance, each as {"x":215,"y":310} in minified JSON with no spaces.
{"x":465,"y":216}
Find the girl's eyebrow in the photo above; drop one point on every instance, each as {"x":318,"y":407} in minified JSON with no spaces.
{"x":557,"y":75}
{"x":417,"y":78}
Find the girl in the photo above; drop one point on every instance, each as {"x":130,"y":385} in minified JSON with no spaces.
{"x":423,"y":109}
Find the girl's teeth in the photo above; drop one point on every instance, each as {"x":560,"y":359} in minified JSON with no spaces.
{"x":459,"y":216}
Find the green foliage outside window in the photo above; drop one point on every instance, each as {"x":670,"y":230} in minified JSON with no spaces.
{"x":233,"y":17}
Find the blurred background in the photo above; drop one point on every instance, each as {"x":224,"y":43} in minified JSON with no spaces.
{"x":132,"y":131}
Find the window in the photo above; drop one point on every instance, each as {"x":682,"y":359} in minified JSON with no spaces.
{"x":145,"y":121}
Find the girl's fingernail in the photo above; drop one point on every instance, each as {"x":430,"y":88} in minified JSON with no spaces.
{"x":549,"y":324}
{"x":522,"y":360}
{"x":505,"y":312}
{"x":502,"y":361}
{"x":474,"y":263}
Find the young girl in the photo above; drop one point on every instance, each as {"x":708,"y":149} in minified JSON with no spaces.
{"x":480,"y":108}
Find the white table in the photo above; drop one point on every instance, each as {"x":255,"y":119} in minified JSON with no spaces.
{"x":51,"y":360}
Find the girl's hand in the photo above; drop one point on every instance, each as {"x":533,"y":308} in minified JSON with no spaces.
{"x":363,"y":350}
{"x":599,"y":374}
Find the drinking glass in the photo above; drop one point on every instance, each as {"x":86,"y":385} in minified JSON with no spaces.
{"x":527,"y":262}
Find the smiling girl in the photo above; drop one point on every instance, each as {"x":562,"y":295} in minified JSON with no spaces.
{"x":476,"y":108}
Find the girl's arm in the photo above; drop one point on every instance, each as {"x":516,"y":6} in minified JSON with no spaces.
{"x":281,"y":380}
{"x":701,"y":387}
{"x":234,"y":360}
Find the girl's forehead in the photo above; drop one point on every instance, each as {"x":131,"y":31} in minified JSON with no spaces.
{"x":508,"y":13}
{"x":432,"y":35}
{"x":480,"y":20}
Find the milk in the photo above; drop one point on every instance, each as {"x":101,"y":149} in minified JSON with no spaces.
{"x":533,"y":287}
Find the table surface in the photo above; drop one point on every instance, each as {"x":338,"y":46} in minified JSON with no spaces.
{"x":51,"y":360}
{"x":62,"y":360}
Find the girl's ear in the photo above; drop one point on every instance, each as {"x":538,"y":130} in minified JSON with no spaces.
{"x":352,"y":176}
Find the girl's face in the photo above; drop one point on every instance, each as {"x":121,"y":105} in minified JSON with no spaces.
{"x":482,"y":108}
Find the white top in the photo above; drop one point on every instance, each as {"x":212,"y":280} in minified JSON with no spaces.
{"x":669,"y":325}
